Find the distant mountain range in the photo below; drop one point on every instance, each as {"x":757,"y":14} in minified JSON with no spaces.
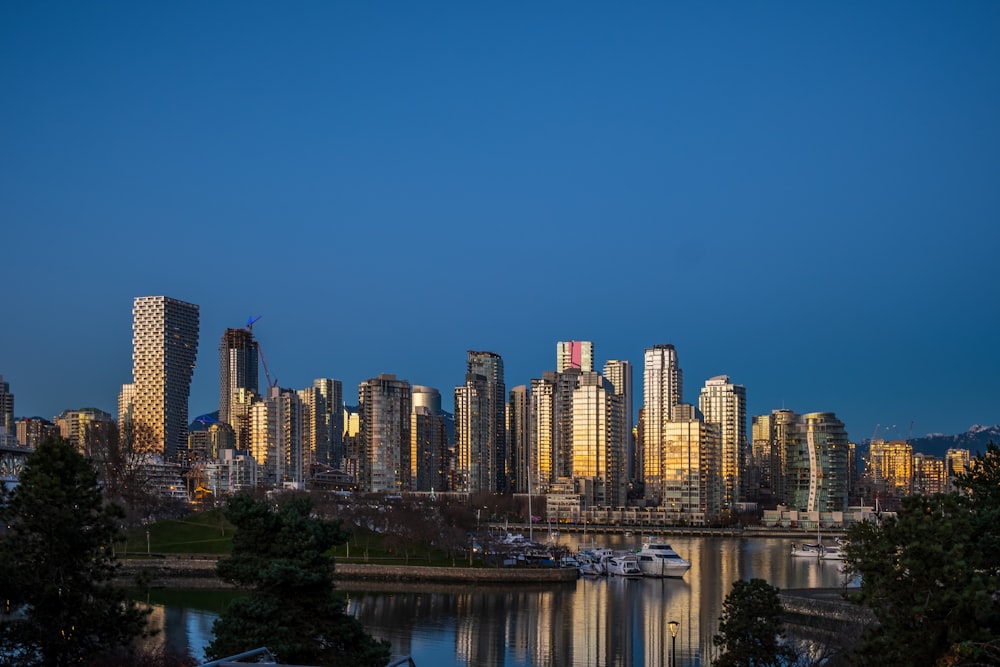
{"x":975,"y":440}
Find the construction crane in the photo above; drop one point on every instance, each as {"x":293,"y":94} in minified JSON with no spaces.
{"x":260,"y":352}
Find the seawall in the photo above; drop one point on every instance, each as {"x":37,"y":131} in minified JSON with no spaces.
{"x":193,"y":572}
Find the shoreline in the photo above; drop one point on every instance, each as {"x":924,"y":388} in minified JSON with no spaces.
{"x":193,"y":572}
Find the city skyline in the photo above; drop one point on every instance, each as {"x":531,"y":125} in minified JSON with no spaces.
{"x":801,"y":197}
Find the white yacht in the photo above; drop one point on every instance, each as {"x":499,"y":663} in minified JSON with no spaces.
{"x":658,"y":559}
{"x":802,"y":550}
{"x":622,"y":565}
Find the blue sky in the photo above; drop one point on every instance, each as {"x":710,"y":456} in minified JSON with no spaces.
{"x":804,"y":196}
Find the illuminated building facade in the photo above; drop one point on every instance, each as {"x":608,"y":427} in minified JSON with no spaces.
{"x":662,"y":391}
{"x":598,"y":442}
{"x":692,"y":481}
{"x":164,"y":349}
{"x":89,"y":430}
{"x":957,"y":463}
{"x":576,"y":354}
{"x":725,"y":404}
{"x":32,"y":430}
{"x":276,"y":439}
{"x":891,"y":466}
{"x":929,"y":475}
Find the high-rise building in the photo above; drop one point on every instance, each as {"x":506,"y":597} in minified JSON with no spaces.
{"x":237,"y":378}
{"x":619,"y":374}
{"x":429,"y":449}
{"x":480,"y":426}
{"x":384,"y":439}
{"x":690,"y":483}
{"x":276,"y":439}
{"x":598,"y":442}
{"x":315,"y":427}
{"x":519,"y":439}
{"x":6,"y":407}
{"x":32,"y":430}
{"x":891,"y":467}
{"x":957,"y":462}
{"x":815,"y":463}
{"x":725,"y":404}
{"x":551,"y":435}
{"x":662,"y":391}
{"x":929,"y":475}
{"x":766,"y":462}
{"x":332,"y":452}
{"x":164,"y":349}
{"x":89,"y":430}
{"x":577,"y":354}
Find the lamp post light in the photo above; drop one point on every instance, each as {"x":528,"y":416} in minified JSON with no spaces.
{"x":673,"y":625}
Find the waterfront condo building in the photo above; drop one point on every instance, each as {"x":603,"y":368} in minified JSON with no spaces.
{"x":578,"y":354}
{"x":662,"y":391}
{"x":551,"y":429}
{"x":164,"y":349}
{"x":481,"y":425}
{"x":815,"y":464}
{"x":384,"y":437}
{"x":619,"y":374}
{"x":598,"y":443}
{"x":691,"y":480}
{"x":725,"y":404}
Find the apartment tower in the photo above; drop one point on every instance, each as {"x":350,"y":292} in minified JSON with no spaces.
{"x":429,"y":441}
{"x":662,"y":391}
{"x":619,"y":374}
{"x":725,"y":404}
{"x":481,"y":425}
{"x":578,"y":354}
{"x":384,"y":439}
{"x":164,"y":349}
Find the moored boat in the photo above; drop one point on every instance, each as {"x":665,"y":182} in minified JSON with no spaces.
{"x":658,"y":559}
{"x":622,"y":565}
{"x":804,"y":550}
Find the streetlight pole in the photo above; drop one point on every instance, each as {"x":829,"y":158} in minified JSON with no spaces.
{"x":673,"y":625}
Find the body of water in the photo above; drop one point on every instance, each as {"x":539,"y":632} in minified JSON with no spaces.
{"x":590,"y":622}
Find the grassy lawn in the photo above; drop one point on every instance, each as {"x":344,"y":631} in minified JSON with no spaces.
{"x":201,"y":533}
{"x":210,"y":534}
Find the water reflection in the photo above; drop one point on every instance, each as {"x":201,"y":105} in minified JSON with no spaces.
{"x":600,"y":622}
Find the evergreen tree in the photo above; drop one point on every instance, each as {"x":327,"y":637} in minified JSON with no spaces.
{"x":931,"y":574}
{"x":751,"y":629}
{"x":58,"y":564}
{"x":282,"y":554}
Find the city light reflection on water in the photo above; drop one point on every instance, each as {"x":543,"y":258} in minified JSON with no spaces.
{"x":601,"y":621}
